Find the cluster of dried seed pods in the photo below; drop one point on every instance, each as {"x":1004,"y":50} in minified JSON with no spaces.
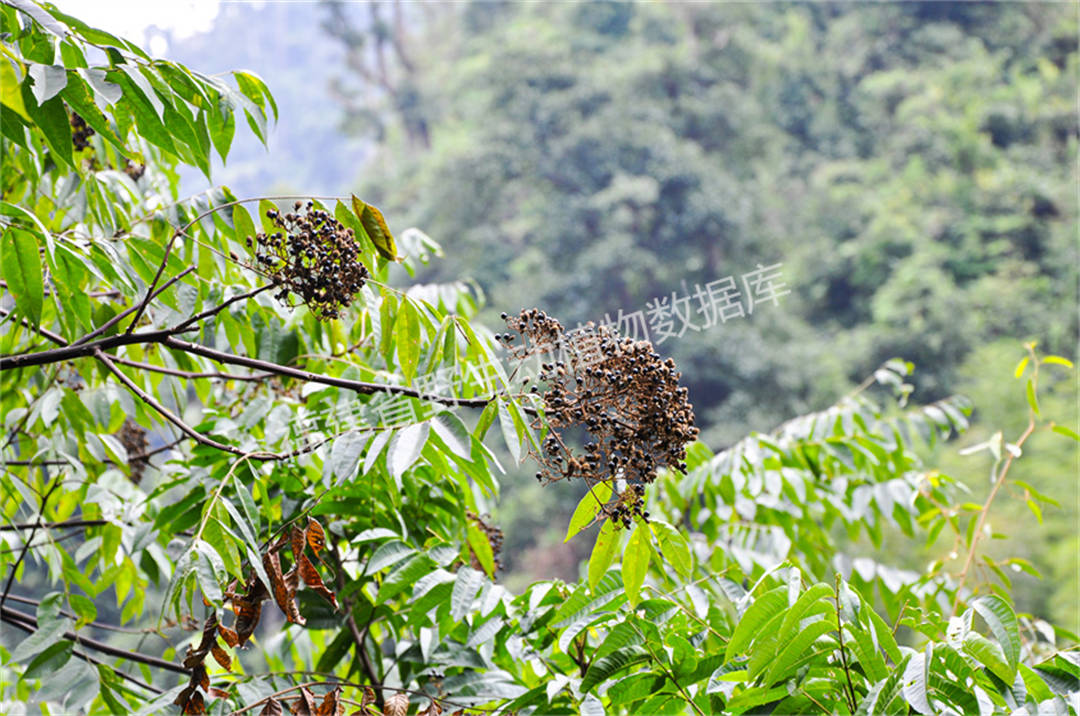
{"x":615,"y":408}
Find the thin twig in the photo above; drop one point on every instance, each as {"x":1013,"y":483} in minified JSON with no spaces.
{"x":26,"y":546}
{"x":125,"y":313}
{"x":850,"y":693}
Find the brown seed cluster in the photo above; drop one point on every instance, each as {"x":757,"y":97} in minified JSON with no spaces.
{"x":135,"y":171}
{"x":313,"y":256}
{"x":80,"y":132}
{"x":617,"y":396}
{"x":133,"y":438}
{"x":494,"y":537}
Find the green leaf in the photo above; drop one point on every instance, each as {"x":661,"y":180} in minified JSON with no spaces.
{"x":242,"y":223}
{"x":1067,"y":432}
{"x":481,"y":547}
{"x":509,"y":431}
{"x":989,"y":655}
{"x":405,"y":448}
{"x":10,"y":93}
{"x":208,"y":567}
{"x":603,"y":669}
{"x":791,"y":650}
{"x":1021,"y":366}
{"x":407,"y":339}
{"x":405,"y":576}
{"x":673,"y":546}
{"x":635,"y":563}
{"x":1031,"y":399}
{"x":1002,"y":621}
{"x":52,"y":119}
{"x":345,"y":453}
{"x":466,"y":585}
{"x":49,"y":661}
{"x":22,"y":271}
{"x":47,"y":634}
{"x":375,"y":226}
{"x":84,"y":608}
{"x":49,"y":81}
{"x":916,"y":680}
{"x":453,"y":434}
{"x":763,"y":609}
{"x":588,"y":508}
{"x":603,"y":552}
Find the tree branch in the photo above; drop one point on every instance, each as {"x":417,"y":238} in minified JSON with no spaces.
{"x":123,"y":314}
{"x":29,"y":541}
{"x":89,"y":659}
{"x":13,"y":616}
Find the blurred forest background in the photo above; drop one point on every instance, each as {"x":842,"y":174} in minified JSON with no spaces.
{"x":912,"y":166}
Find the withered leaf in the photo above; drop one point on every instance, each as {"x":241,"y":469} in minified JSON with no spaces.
{"x":297,"y":540}
{"x":368,"y":697}
{"x":200,"y":677}
{"x":272,"y":563}
{"x":272,"y":708}
{"x":218,"y":693}
{"x":331,"y":704}
{"x":183,"y":696}
{"x":292,"y":612}
{"x":316,"y":537}
{"x":433,"y":709}
{"x":195,"y":704}
{"x":247,"y":618}
{"x":229,"y":636}
{"x":304,"y":705}
{"x":313,"y":580}
{"x":396,"y":705}
{"x":222,"y":657}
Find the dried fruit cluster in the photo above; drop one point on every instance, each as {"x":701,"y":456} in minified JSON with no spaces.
{"x":133,"y":438}
{"x":80,"y":132}
{"x":313,"y":256}
{"x":618,"y":395}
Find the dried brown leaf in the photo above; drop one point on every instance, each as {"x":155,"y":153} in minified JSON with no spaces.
{"x":272,"y":708}
{"x":433,"y":709}
{"x":313,"y":580}
{"x":396,"y":705}
{"x":195,"y":704}
{"x":297,"y":539}
{"x":316,"y":536}
{"x":272,"y":563}
{"x":222,"y":657}
{"x":304,"y":705}
{"x":331,"y":704}
{"x":229,"y":636}
{"x":247,"y":618}
{"x":218,"y":693}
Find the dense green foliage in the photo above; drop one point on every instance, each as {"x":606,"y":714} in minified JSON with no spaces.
{"x":911,"y":165}
{"x":185,"y":416}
